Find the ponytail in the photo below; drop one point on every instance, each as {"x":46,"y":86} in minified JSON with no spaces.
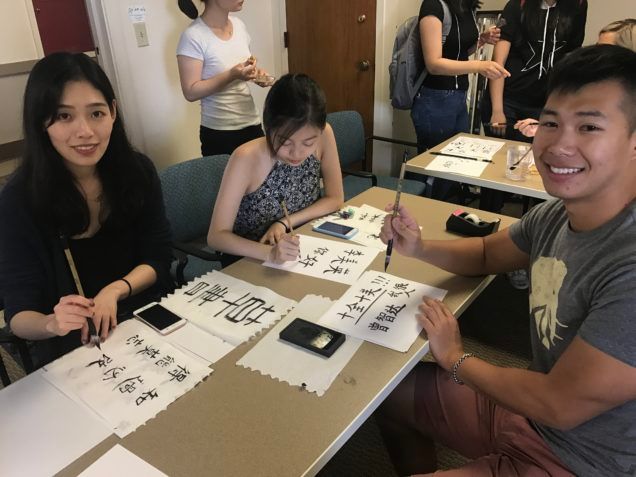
{"x":187,"y":7}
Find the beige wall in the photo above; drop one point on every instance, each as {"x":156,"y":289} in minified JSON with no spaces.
{"x":19,"y":37}
{"x":11,"y":91}
{"x":19,"y":41}
{"x":602,"y":12}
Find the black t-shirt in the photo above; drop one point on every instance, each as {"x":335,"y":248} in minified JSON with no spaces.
{"x":538,"y":40}
{"x":462,"y":37}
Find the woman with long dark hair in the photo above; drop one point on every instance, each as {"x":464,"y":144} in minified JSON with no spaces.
{"x":439,"y":109}
{"x":536,"y":36}
{"x":80,"y":185}
{"x":215,"y":64}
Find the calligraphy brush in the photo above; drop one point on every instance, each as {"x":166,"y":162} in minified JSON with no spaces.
{"x":284,"y":207}
{"x":514,"y":166}
{"x":440,"y":153}
{"x":94,"y":337}
{"x":508,"y":124}
{"x":396,"y":205}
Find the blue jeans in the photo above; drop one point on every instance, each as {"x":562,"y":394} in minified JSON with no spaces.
{"x":437,"y":115}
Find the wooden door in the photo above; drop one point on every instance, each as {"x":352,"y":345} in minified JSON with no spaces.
{"x":333,"y":41}
{"x":63,"y":25}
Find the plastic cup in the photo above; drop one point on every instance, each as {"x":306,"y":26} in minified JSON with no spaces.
{"x":516,"y":163}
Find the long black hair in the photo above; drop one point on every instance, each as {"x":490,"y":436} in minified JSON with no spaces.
{"x":50,"y":187}
{"x":188,"y":8}
{"x":295,"y":100}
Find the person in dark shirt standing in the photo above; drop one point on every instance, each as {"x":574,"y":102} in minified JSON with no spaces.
{"x":536,"y":36}
{"x":439,"y":108}
{"x":80,"y":182}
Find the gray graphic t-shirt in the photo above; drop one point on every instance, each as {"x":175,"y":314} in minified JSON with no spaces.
{"x":584,"y":284}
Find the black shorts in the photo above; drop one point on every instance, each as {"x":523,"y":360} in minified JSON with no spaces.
{"x":216,"y":141}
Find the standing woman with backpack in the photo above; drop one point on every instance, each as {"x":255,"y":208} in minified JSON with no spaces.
{"x":439,"y":108}
{"x":215,"y":64}
{"x":536,"y":36}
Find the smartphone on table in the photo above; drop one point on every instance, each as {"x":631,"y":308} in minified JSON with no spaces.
{"x":337,"y":230}
{"x":159,"y":318}
{"x":312,"y":336}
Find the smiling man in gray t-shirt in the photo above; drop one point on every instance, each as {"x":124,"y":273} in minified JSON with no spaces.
{"x":574,"y":410}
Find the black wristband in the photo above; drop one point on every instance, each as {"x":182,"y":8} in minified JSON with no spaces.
{"x":129,"y":286}
{"x":287,"y":229}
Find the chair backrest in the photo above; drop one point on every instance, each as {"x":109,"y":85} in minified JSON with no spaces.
{"x":189,"y":193}
{"x":349,"y":131}
{"x":1,"y":301}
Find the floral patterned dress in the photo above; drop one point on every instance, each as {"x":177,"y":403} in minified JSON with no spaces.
{"x":298,"y":186}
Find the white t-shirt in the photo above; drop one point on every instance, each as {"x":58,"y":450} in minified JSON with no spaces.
{"x":233,"y":107}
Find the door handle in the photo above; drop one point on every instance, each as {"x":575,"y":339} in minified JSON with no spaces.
{"x":364,"y":65}
{"x":362,"y":18}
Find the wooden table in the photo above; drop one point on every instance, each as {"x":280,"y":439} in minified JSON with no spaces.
{"x":238,"y":422}
{"x":493,"y":177}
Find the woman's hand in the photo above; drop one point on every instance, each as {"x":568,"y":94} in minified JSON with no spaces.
{"x":245,"y":71}
{"x":442,"y":331}
{"x":263,"y":78}
{"x":70,"y":314}
{"x":528,"y":127}
{"x":490,"y":36}
{"x":498,"y":123}
{"x":105,"y":310}
{"x":274,"y":233}
{"x":285,"y":250}
{"x":404,"y":231}
{"x":492,"y":70}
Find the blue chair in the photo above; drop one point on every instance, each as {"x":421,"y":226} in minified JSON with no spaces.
{"x":189,"y":192}
{"x":348,"y":129}
{"x":12,"y":344}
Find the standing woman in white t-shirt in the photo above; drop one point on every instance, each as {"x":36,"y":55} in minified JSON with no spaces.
{"x":215,"y":64}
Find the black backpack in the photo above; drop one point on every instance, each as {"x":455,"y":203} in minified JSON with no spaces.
{"x":407,"y":70}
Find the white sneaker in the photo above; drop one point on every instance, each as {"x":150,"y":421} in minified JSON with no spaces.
{"x":519,"y":279}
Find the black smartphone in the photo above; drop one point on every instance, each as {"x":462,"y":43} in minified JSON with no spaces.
{"x":313,"y":337}
{"x":161,"y":319}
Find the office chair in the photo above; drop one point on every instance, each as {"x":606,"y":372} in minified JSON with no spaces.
{"x":189,"y":192}
{"x":351,"y":142}
{"x":13,"y":344}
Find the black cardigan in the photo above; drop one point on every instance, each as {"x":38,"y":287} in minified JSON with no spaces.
{"x":34,"y":274}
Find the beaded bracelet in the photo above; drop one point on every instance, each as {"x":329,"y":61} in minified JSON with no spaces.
{"x":287,"y":229}
{"x":456,"y":366}
{"x":129,"y":286}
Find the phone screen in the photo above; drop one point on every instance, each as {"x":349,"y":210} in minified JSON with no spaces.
{"x":336,"y":228}
{"x":312,"y":336}
{"x":158,"y":316}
